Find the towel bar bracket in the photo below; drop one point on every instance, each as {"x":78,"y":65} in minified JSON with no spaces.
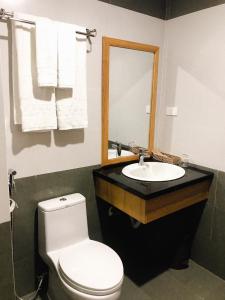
{"x":5,"y":16}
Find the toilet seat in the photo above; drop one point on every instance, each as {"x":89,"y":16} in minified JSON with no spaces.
{"x":91,"y":267}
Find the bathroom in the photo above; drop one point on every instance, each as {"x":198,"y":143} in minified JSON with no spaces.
{"x":56,"y":163}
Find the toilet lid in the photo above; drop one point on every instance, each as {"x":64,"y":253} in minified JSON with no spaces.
{"x":91,"y":267}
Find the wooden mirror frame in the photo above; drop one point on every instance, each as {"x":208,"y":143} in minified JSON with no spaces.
{"x":106,"y":43}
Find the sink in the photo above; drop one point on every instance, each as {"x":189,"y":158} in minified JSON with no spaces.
{"x":153,"y":171}
{"x":112,"y":153}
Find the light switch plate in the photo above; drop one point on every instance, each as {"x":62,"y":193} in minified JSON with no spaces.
{"x":147,"y":109}
{"x":171,"y":111}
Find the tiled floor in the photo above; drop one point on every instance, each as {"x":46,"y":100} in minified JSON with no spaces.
{"x":194,"y":283}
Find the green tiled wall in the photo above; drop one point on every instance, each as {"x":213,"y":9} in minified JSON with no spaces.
{"x":31,"y":190}
{"x":208,"y":248}
{"x":6,"y":273}
{"x":209,"y":244}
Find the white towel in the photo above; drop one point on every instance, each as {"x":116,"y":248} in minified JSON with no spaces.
{"x":71,"y":104}
{"x":34,"y":107}
{"x":46,"y":52}
{"x":66,"y":54}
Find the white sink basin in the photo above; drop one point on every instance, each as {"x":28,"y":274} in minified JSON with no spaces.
{"x":153,"y":171}
{"x":112,"y":153}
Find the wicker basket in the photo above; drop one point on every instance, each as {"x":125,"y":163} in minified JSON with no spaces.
{"x":137,"y":149}
{"x":167,"y":158}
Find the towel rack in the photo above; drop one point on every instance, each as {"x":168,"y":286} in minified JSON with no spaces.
{"x":5,"y":16}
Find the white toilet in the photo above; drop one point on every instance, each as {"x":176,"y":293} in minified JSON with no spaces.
{"x":79,"y":268}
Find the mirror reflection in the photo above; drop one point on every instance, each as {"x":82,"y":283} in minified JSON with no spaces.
{"x":130,"y":84}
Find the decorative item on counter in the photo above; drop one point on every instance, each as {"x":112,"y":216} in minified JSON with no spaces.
{"x":184,"y":160}
{"x":137,"y":149}
{"x":165,"y":157}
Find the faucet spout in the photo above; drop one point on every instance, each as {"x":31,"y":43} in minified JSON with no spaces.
{"x":142,"y":156}
{"x":141,"y":160}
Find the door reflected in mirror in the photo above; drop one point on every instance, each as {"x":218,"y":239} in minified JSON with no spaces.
{"x":129,"y":98}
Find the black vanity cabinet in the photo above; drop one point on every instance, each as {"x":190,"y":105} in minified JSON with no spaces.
{"x":150,"y":224}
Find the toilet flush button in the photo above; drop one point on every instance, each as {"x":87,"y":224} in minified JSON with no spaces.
{"x":63,"y":199}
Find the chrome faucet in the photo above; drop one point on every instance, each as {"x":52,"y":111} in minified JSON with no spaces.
{"x":142,"y":155}
{"x":118,"y":147}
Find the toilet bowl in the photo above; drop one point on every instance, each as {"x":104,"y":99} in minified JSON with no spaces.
{"x":79,"y":268}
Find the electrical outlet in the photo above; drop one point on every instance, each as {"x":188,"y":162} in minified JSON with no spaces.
{"x":171,"y":111}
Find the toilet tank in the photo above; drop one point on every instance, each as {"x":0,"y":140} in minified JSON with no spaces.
{"x":62,"y":222}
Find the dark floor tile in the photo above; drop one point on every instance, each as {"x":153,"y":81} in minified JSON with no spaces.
{"x":130,"y":291}
{"x":186,"y":275}
{"x":203,"y":282}
{"x":194,"y":283}
{"x":217,"y":293}
{"x":168,"y":287}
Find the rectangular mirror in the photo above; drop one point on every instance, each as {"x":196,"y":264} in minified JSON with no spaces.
{"x":128,"y":99}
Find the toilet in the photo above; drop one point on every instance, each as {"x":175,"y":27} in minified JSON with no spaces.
{"x":79,"y":268}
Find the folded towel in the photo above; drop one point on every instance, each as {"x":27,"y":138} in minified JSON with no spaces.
{"x":34,"y":107}
{"x":66,"y":54}
{"x":46,"y":52}
{"x":71,"y":104}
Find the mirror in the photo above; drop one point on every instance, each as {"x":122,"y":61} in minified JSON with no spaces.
{"x":128,"y":99}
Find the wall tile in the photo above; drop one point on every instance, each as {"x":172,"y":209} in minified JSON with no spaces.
{"x":6,"y":274}
{"x":5,"y":239}
{"x":220,"y":192}
{"x":218,"y":240}
{"x":209,"y":243}
{"x":25,"y":275}
{"x":31,"y":190}
{"x":207,"y":248}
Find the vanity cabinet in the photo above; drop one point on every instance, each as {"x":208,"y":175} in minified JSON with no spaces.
{"x":167,"y":215}
{"x":146,"y":211}
{"x":149,"y":201}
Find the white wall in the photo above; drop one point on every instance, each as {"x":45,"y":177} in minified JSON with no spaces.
{"x":195,"y":82}
{"x":38,"y":153}
{"x":4,"y":198}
